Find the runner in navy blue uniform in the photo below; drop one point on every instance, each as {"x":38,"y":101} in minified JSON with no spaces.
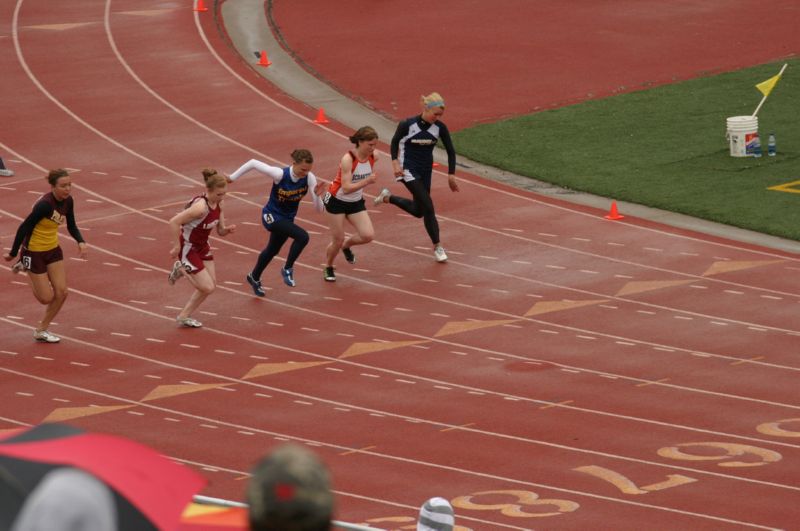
{"x":412,"y":162}
{"x":289,"y":186}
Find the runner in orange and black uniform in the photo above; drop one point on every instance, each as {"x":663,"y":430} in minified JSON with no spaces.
{"x":41,"y":256}
{"x":345,"y":200}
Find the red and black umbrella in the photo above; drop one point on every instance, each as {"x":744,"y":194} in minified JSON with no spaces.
{"x":150,"y":490}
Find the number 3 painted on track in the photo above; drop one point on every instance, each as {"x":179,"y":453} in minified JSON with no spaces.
{"x":515,"y":509}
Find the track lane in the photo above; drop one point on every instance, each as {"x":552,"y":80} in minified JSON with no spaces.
{"x":545,"y":466}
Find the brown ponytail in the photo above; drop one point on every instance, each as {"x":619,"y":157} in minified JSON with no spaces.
{"x":213,"y":179}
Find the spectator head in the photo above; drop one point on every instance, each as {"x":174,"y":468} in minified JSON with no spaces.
{"x":436,"y":514}
{"x":290,"y":491}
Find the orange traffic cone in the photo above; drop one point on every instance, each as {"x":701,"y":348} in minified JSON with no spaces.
{"x":321,"y":119}
{"x":200,"y":6}
{"x":262,"y":59}
{"x":613,"y":213}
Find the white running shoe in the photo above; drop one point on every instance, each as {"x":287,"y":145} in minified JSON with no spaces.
{"x":385,"y":194}
{"x":188,"y":322}
{"x":176,"y":273}
{"x":43,"y":336}
{"x":6,"y":173}
{"x":439,"y":253}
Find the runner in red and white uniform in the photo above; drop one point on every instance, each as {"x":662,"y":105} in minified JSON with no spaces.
{"x":190,"y":231}
{"x":344,"y":199}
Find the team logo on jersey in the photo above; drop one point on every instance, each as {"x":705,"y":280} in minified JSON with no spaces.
{"x":58,"y":218}
{"x":361,"y":176}
{"x":294,"y":195}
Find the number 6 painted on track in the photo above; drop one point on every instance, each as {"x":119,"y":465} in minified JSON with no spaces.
{"x":731,"y":450}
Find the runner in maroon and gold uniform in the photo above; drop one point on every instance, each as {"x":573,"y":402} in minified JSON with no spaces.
{"x":41,"y":255}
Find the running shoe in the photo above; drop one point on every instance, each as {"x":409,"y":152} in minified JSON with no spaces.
{"x":288,"y":276}
{"x":329,"y":275}
{"x":439,"y":253}
{"x":349,"y":256}
{"x":18,"y":267}
{"x":255,"y":284}
{"x":385,"y":194}
{"x":6,"y":173}
{"x":176,"y":273}
{"x":188,"y":322}
{"x":44,"y":336}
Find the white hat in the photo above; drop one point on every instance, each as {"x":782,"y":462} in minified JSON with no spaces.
{"x":436,"y":514}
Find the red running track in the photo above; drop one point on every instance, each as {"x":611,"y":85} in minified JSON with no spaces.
{"x":561,"y":371}
{"x":495,"y":60}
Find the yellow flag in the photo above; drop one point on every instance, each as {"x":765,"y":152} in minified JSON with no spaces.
{"x":766,"y":86}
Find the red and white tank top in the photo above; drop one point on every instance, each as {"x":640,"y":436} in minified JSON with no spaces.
{"x":197,"y":231}
{"x":361,"y":170}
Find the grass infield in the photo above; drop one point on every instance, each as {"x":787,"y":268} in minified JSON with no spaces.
{"x":665,"y":148}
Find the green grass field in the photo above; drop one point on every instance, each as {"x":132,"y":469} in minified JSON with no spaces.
{"x":665,"y":148}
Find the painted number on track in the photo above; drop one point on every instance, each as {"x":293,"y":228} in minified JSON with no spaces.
{"x":626,"y":486}
{"x":717,"y":451}
{"x":525,"y":504}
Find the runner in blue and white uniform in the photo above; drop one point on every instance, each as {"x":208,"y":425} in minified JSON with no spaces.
{"x":290,"y":185}
{"x":412,"y":162}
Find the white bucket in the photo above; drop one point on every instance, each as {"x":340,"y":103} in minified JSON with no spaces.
{"x":742,"y":132}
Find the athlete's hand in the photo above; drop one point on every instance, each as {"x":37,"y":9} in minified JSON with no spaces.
{"x":174,"y":251}
{"x":451,"y":181}
{"x":229,"y":229}
{"x":319,"y":187}
{"x":396,"y":168}
{"x":83,"y":249}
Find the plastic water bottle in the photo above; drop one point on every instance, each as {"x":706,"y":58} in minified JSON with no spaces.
{"x":756,"y":147}
{"x":771,"y":147}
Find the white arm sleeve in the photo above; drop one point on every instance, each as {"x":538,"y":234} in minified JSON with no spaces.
{"x":316,"y":200}
{"x":253,"y":164}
